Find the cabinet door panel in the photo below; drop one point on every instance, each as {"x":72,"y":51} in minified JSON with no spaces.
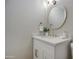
{"x":37,"y":50}
{"x":42,"y":50}
{"x":49,"y":52}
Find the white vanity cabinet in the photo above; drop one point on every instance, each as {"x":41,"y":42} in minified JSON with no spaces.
{"x":49,"y":48}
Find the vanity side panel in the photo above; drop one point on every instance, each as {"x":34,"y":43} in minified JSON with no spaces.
{"x":61,"y":51}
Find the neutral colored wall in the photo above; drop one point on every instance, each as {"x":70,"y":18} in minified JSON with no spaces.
{"x":21,"y":20}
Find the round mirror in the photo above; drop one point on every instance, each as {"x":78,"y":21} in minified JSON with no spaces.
{"x":57,"y":17}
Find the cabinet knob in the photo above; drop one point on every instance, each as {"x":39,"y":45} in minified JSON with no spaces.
{"x":36,"y":53}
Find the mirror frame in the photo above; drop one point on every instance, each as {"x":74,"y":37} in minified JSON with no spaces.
{"x":64,"y":17}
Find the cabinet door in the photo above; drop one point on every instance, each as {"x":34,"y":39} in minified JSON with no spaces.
{"x":42,"y":50}
{"x":37,"y":50}
{"x":48,"y":51}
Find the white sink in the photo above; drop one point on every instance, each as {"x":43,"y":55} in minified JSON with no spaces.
{"x":51,"y":39}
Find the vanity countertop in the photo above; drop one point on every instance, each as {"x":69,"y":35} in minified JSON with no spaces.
{"x":51,"y":39}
